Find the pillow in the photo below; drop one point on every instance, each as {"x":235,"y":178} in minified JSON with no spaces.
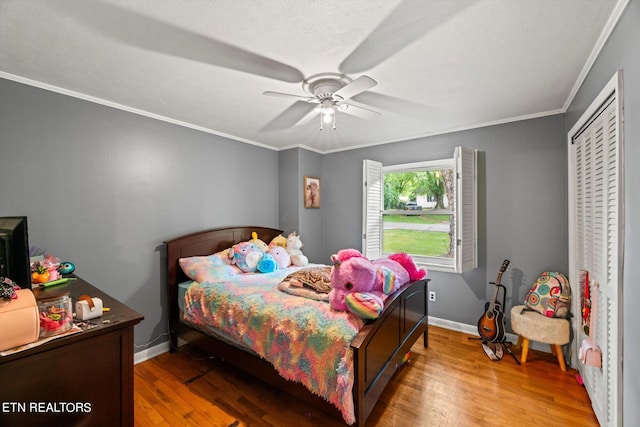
{"x":207,"y":268}
{"x":550,"y":295}
{"x":224,"y":255}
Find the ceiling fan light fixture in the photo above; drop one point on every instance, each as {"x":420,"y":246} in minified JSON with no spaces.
{"x":327,"y":115}
{"x":327,"y":110}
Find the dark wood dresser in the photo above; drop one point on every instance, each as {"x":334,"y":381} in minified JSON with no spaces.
{"x":81,"y":379}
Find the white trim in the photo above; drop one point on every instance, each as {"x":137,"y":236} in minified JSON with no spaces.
{"x":107,"y":103}
{"x":473,"y":330}
{"x":448,"y":163}
{"x":611,"y":87}
{"x":604,"y":36}
{"x":126,"y":108}
{"x":453,"y":130}
{"x":151,"y":352}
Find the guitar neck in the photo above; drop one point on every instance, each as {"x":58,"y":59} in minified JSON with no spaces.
{"x":492,"y":305}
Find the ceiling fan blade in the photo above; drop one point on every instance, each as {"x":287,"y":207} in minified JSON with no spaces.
{"x":358,"y":111}
{"x":357,"y":86}
{"x":144,"y":32}
{"x":308,"y":99}
{"x":408,"y":22}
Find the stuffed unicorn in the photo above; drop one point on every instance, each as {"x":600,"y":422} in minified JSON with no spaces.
{"x":360,"y":285}
{"x":293,"y":248}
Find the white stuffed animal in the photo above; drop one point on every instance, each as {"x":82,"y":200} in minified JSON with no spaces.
{"x":293,"y":248}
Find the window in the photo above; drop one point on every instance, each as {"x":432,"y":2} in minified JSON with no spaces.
{"x":427,"y":209}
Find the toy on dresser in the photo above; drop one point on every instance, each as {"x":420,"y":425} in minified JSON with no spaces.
{"x":45,"y":270}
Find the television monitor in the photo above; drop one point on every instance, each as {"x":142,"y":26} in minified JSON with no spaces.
{"x":14,"y":250}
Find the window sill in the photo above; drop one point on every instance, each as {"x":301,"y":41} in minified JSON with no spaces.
{"x":432,"y":263}
{"x":438,"y":267}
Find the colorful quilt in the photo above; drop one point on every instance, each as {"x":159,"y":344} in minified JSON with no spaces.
{"x":304,"y":339}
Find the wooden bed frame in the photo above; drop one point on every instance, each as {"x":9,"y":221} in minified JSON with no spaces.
{"x":378,"y":349}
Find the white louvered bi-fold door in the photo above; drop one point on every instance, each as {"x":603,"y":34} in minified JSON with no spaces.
{"x":596,"y":233}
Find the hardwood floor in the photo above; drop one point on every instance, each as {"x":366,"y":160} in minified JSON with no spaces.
{"x":450,"y":383}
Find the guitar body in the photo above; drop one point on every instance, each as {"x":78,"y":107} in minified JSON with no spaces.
{"x":491,"y":324}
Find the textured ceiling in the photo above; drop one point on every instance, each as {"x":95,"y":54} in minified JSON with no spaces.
{"x":440,"y":65}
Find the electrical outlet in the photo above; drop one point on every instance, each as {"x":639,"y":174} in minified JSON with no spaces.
{"x":432,"y":296}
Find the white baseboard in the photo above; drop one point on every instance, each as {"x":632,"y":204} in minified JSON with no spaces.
{"x":154,"y":351}
{"x":157,"y":350}
{"x":150,"y":353}
{"x":473,"y":330}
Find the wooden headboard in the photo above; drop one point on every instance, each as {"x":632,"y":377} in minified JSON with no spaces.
{"x":204,"y":243}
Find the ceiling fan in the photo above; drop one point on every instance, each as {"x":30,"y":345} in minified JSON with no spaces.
{"x":330,"y":91}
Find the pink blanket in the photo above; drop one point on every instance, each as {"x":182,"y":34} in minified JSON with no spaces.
{"x":304,"y":339}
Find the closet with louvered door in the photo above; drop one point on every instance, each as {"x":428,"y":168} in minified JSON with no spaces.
{"x":596,"y":243}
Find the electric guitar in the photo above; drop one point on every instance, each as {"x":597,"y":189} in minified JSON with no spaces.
{"x":491,"y":324}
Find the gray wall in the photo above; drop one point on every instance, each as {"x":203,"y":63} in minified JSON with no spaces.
{"x":289,"y":195}
{"x":522,"y":211}
{"x":621,"y":53}
{"x":295,"y":164}
{"x":311,"y":230}
{"x":103,"y":188}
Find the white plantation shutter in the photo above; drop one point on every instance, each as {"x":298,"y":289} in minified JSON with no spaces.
{"x":372,"y":206}
{"x":596,"y":225}
{"x":466,"y":210}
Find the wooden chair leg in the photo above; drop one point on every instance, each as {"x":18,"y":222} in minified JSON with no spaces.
{"x":519,"y":343}
{"x":525,"y":350}
{"x":558,"y":351}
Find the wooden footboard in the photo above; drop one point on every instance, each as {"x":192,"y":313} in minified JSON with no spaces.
{"x":378,"y":349}
{"x":381,"y":346}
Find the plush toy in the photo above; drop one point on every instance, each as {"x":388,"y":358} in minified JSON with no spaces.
{"x":66,"y":267}
{"x":246,"y":256}
{"x":358,"y":284}
{"x":407,"y":262}
{"x":279,"y":240}
{"x":45,"y":270}
{"x":225,"y":255}
{"x":259,"y":243}
{"x":293,"y":248}
{"x":281,"y":256}
{"x":267,"y":264}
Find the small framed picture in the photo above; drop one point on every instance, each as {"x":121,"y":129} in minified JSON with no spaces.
{"x":311,"y":192}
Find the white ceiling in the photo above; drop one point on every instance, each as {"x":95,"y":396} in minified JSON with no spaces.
{"x":441,"y":65}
